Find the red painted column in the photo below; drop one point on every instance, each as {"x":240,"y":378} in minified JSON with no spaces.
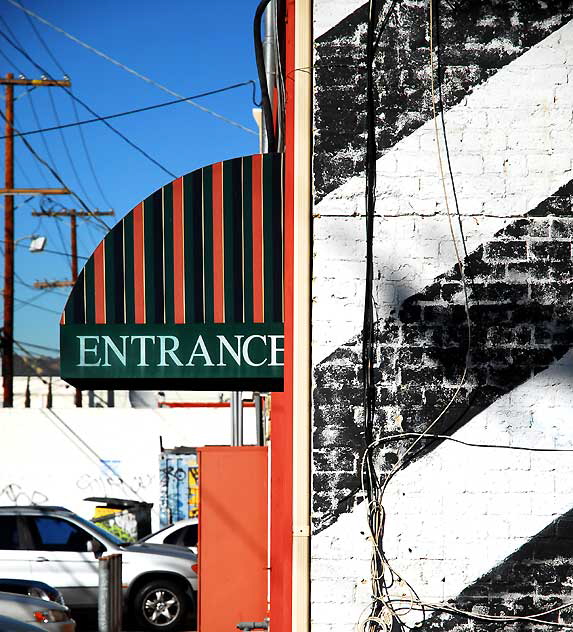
{"x":282,"y":403}
{"x":138,"y":264}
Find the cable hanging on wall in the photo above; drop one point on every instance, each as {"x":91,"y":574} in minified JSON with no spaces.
{"x":393,"y":598}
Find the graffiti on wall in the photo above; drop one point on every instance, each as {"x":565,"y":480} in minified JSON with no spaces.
{"x":179,"y":485}
{"x":14,"y":494}
{"x":112,"y":484}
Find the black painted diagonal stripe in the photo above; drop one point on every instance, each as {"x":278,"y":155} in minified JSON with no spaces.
{"x":468,"y":28}
{"x":541,"y":569}
{"x":521,"y":295}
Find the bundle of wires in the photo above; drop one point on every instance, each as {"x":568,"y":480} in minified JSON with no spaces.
{"x":382,"y":616}
{"x":392,"y":597}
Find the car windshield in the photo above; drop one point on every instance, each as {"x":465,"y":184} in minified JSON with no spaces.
{"x":106,"y":535}
{"x":145,"y":538}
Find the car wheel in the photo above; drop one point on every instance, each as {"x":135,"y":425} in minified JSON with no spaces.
{"x":160,"y":605}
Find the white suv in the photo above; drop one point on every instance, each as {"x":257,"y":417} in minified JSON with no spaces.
{"x":58,"y":547}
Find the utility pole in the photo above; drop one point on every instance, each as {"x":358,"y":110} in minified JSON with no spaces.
{"x":73,"y":214}
{"x":9,"y":191}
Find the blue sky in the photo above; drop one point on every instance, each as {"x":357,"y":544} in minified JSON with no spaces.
{"x":189,"y":46}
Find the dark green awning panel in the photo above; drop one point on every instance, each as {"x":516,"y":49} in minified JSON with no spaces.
{"x":186,"y":291}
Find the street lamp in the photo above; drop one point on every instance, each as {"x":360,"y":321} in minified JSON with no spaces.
{"x":37,"y":242}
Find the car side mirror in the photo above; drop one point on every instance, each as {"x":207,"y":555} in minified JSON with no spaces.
{"x":95,"y":547}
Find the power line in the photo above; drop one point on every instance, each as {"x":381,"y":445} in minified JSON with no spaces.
{"x":135,"y":111}
{"x":52,"y":252}
{"x":76,"y":115}
{"x":92,"y":112}
{"x":31,"y":99}
{"x":54,"y":109}
{"x":67,"y":150}
{"x":21,"y":344}
{"x":55,"y":173}
{"x":40,"y":307}
{"x":32,"y":300}
{"x":131,"y":70}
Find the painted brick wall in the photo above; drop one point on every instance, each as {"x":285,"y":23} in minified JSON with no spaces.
{"x":488,"y":529}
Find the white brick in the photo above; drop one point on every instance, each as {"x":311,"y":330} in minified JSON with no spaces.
{"x":468,"y":164}
{"x":333,"y":590}
{"x":532,"y":140}
{"x":491,"y":140}
{"x":557,"y":162}
{"x":547,"y":56}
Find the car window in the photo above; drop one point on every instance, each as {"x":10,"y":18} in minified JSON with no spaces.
{"x":190,"y":536}
{"x":55,"y":534}
{"x":186,"y":536}
{"x":9,"y":538}
{"x":173,"y":537}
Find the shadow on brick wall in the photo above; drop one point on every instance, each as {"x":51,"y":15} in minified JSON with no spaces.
{"x":520,"y":291}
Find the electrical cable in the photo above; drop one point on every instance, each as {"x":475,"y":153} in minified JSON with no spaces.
{"x":57,"y":176}
{"x":382,"y":576}
{"x":387,"y":615}
{"x":67,"y":151}
{"x":40,"y":307}
{"x":60,"y":235}
{"x":384,"y":24}
{"x":402,"y":457}
{"x":21,"y":343}
{"x":88,"y":155}
{"x":90,"y":110}
{"x":31,"y":99}
{"x":56,"y":116}
{"x":131,"y":70}
{"x":100,"y":119}
{"x":471,"y":444}
{"x":534,"y":618}
{"x":260,"y":60}
{"x":76,"y":115}
{"x":52,"y":252}
{"x":440,"y":76}
{"x":30,"y":301}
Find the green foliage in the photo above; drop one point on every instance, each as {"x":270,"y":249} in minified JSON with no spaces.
{"x":116,"y":530}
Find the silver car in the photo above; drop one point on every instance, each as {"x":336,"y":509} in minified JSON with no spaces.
{"x":8,"y":624}
{"x":45,"y":615}
{"x":32,"y":589}
{"x":58,"y":547}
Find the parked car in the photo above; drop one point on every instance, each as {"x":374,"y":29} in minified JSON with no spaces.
{"x":32,"y":589}
{"x":45,"y":615}
{"x":54,"y":545}
{"x":181,"y":533}
{"x":13,"y":625}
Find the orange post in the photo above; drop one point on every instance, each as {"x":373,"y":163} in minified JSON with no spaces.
{"x":232,"y":536}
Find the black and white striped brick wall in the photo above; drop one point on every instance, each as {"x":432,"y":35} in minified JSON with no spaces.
{"x":488,"y":529}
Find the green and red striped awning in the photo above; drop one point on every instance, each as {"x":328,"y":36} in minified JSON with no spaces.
{"x":188,"y":278}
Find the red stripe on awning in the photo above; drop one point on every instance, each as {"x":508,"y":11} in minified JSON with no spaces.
{"x":258,"y":268}
{"x":178,"y":253}
{"x":138,"y":264}
{"x":218,"y":253}
{"x":99,"y":283}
